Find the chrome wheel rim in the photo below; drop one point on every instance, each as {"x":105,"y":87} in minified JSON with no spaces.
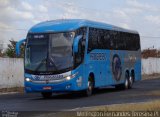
{"x":89,"y":89}
{"x":126,"y":83}
{"x":131,"y":81}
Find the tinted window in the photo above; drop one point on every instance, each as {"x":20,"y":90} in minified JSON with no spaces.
{"x":113,"y":40}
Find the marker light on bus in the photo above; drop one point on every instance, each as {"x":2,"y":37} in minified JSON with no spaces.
{"x":79,"y":81}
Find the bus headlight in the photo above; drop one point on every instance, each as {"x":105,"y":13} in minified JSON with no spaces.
{"x":68,"y":77}
{"x":28,"y":79}
{"x":71,"y":76}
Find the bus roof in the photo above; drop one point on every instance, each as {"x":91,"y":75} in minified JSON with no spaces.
{"x":63,"y":25}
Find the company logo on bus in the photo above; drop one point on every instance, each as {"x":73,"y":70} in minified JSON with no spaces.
{"x":116,"y":67}
{"x":98,"y":56}
{"x":47,"y":77}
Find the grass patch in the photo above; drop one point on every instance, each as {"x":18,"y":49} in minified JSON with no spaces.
{"x":151,"y":76}
{"x":144,"y":106}
{"x":129,"y":107}
{"x":155,"y":93}
{"x":13,"y":89}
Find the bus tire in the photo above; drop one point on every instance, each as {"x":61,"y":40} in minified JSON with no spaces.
{"x":125,"y":85}
{"x":131,"y":81}
{"x":46,"y":95}
{"x":126,"y":82}
{"x":89,"y":90}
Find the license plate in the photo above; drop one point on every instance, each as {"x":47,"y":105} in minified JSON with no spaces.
{"x":47,"y":88}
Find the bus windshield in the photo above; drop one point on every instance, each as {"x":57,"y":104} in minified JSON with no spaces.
{"x":49,"y":52}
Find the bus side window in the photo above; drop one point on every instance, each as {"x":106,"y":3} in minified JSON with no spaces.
{"x":112,"y":40}
{"x":106,"y":39}
{"x":101,"y":35}
{"x":122,"y":36}
{"x":120,"y":41}
{"x":92,"y":42}
{"x":127,"y":41}
{"x":137,"y":41}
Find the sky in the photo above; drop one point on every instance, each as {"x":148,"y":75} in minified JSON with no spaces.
{"x":18,"y":16}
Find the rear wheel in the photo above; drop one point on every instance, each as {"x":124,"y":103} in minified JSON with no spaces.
{"x":126,"y":83}
{"x":46,"y":94}
{"x":131,"y":80}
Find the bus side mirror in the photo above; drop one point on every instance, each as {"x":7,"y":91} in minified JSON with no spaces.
{"x":18,"y":44}
{"x":76,"y":42}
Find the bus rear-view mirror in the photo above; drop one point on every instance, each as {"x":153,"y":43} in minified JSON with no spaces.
{"x":76,"y":42}
{"x":18,"y":45}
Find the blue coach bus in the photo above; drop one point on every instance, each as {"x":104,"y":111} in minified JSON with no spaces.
{"x":79,"y":55}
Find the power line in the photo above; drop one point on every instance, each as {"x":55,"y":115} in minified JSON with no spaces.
{"x":150,"y":36}
{"x":20,"y":29}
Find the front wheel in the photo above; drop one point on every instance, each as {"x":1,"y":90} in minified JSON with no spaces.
{"x":90,"y":88}
{"x":46,"y":94}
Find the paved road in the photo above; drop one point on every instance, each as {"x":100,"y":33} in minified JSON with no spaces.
{"x":142,"y":91}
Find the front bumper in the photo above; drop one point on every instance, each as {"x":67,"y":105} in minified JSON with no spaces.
{"x":65,"y":86}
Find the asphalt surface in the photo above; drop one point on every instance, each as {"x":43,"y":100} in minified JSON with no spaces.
{"x":141,"y":92}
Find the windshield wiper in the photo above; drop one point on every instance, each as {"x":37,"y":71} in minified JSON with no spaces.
{"x":42,"y":62}
{"x":52,"y":61}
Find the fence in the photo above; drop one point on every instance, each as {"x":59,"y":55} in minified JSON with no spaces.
{"x":11,"y":70}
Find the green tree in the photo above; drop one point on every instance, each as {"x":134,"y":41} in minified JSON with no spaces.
{"x":1,"y":54}
{"x":11,"y":50}
{"x":1,"y":48}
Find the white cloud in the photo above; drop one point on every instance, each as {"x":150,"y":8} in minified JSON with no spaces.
{"x":4,"y":3}
{"x":153,"y":19}
{"x":133,"y":14}
{"x":26,"y":6}
{"x":132,"y":11}
{"x":2,"y":25}
{"x":120,"y":14}
{"x":142,"y":6}
{"x":42,"y":8}
{"x":136,"y":4}
{"x":26,"y":15}
{"x":12,"y":14}
{"x":69,"y":10}
{"x":124,"y":25}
